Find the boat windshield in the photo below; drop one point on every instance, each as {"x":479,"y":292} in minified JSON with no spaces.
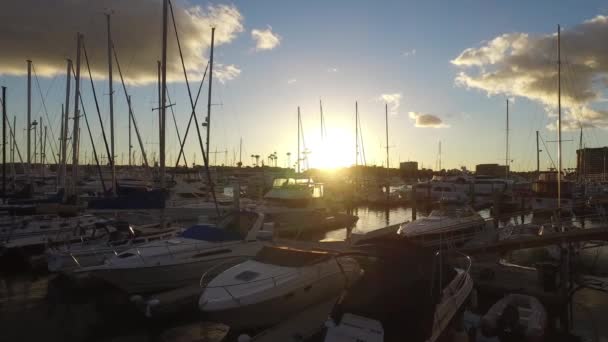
{"x":289,"y":257}
{"x":451,"y":212}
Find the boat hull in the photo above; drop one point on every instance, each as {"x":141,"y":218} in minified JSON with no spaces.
{"x":289,"y":301}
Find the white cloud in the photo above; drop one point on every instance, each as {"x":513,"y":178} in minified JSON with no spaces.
{"x":332,"y":69}
{"x":393,"y":101}
{"x":265,"y":39}
{"x":30,"y":29}
{"x":427,"y":120}
{"x":409,"y":53}
{"x":521,"y":64}
{"x":291,"y":81}
{"x":226,"y":73}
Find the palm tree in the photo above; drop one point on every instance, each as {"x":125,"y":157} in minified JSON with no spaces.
{"x":257,"y":159}
{"x":288,"y":159}
{"x":252,"y":157}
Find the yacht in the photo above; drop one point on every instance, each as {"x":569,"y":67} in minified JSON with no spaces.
{"x":180,"y":261}
{"x":544,"y":194}
{"x":276,"y":283}
{"x":34,"y":232}
{"x":384,"y":305}
{"x":97,"y":248}
{"x":451,"y":224}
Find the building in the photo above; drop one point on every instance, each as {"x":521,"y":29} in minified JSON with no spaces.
{"x":591,"y":162}
{"x":409,"y":169}
{"x":493,"y":170}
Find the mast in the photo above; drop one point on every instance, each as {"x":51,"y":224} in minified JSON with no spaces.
{"x":210,"y":85}
{"x":163,"y":95}
{"x":129,"y":119}
{"x":76,"y":131}
{"x":537,"y":155}
{"x":41,"y":143}
{"x":29,"y":119}
{"x":44,"y":152}
{"x":58,"y":179}
{"x":160,"y":121}
{"x":111,"y":95}
{"x":322,"y":122}
{"x":64,"y":138}
{"x":559,"y":121}
{"x":298,"y":139}
{"x":386,"y":119}
{"x":507,"y":145}
{"x":3,"y":144}
{"x":241,"y":152}
{"x":356,"y":134}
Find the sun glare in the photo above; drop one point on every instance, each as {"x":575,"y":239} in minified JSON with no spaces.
{"x":335,"y":150}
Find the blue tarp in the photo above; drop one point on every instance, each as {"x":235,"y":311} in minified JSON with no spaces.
{"x":210,"y":233}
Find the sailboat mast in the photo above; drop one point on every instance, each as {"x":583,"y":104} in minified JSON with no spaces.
{"x":29,"y":119}
{"x":537,"y":154}
{"x":507,"y":145}
{"x":241,"y":152}
{"x":559,"y":121}
{"x":76,"y":132}
{"x":3,"y":144}
{"x":210,"y":85}
{"x":129,"y":119}
{"x":322,"y":121}
{"x":386,"y":120}
{"x":111,"y":95}
{"x":298,"y":156}
{"x":163,"y":95}
{"x":64,"y":138}
{"x":356,"y":134}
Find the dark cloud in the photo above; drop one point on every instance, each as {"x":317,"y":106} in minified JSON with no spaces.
{"x":45,"y":32}
{"x":427,"y":120}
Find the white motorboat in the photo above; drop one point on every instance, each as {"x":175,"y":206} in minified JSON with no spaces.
{"x":35,"y":232}
{"x":95,"y":250}
{"x":388,"y":305}
{"x":180,"y":261}
{"x":520,"y":316}
{"x":275,"y":284}
{"x":451,"y":224}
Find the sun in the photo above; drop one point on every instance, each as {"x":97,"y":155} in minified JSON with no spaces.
{"x":335,"y":150}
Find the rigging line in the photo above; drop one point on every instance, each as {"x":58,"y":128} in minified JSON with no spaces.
{"x":547,"y":150}
{"x":86,"y":120}
{"x":131,"y":115}
{"x":103,"y":131}
{"x":362,"y":145}
{"x":193,"y":104}
{"x":46,"y":113}
{"x":176,"y":128}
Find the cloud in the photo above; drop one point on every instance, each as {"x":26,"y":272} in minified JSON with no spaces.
{"x":393,"y":101}
{"x":427,"y":120}
{"x":226,"y":73}
{"x":409,"y":53}
{"x":265,"y":39}
{"x":521,"y":64}
{"x":332,"y":69}
{"x":291,"y":81}
{"x":31,"y":29}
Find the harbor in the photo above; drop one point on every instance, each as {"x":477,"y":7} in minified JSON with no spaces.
{"x":211,"y":178}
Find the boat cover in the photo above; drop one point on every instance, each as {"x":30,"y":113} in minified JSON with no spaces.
{"x":400,"y":289}
{"x":210,"y":233}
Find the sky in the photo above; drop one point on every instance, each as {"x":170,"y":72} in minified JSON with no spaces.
{"x":445,"y":71}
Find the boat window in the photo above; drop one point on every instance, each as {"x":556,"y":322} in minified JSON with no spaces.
{"x":216,"y":252}
{"x":45,"y":227}
{"x":289,"y":257}
{"x":125,"y":255}
{"x":153,"y":239}
{"x":246,"y":276}
{"x":64,"y":225}
{"x":139,"y":240}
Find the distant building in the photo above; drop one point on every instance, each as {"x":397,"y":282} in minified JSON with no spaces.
{"x":409,"y":169}
{"x":591,"y":163}
{"x":494,"y":170}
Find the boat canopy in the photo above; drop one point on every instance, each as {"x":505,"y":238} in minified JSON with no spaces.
{"x":290,"y":257}
{"x":210,"y":233}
